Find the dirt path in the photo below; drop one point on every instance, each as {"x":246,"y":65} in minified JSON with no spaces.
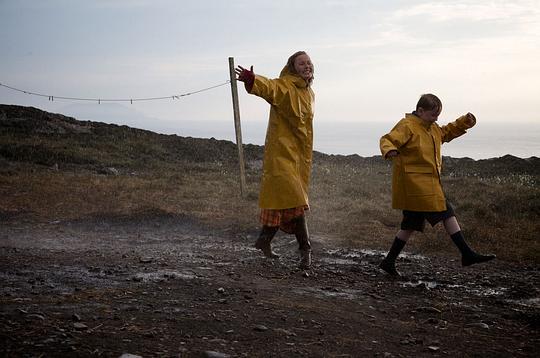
{"x":170,"y":287}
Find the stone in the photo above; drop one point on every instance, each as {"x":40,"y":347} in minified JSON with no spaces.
{"x":260,"y":328}
{"x":214,"y":354}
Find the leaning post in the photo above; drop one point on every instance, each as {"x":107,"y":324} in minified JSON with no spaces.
{"x":237,"y":126}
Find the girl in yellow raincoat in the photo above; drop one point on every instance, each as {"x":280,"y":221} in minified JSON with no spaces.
{"x":414,"y":146}
{"x":288,"y":150}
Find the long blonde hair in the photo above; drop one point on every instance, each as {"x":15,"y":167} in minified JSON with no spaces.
{"x":290,"y":63}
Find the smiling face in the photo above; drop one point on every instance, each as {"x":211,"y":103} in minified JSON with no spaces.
{"x":304,"y":67}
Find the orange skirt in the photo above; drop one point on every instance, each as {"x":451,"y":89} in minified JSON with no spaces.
{"x":284,"y":218}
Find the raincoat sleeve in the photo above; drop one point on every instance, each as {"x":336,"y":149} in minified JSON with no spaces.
{"x":454,"y":129}
{"x":272,"y":90}
{"x":398,"y":136}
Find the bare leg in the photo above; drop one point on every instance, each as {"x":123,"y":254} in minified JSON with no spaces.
{"x":404,"y":234}
{"x":451,"y":225}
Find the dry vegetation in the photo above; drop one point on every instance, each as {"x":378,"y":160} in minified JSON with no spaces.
{"x":56,"y":168}
{"x":117,"y":240}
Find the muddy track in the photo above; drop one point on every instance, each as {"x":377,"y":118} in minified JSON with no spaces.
{"x":172,"y":287}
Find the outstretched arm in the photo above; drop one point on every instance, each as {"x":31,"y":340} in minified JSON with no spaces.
{"x":272,"y":90}
{"x":246,"y":76}
{"x":458,"y":127}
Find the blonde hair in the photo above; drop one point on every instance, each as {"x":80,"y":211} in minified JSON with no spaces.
{"x":290,"y":63}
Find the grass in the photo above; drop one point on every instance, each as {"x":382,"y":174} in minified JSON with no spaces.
{"x":349,"y":204}
{"x":47,"y":177}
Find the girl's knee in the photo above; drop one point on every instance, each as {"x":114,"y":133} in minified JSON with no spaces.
{"x":404,"y":234}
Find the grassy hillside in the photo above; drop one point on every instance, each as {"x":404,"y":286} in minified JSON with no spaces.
{"x":54,"y":167}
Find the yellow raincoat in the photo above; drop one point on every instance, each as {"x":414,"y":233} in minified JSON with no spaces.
{"x":289,"y":140}
{"x":416,"y":171}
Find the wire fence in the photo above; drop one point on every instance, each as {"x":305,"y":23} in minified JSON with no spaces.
{"x":236,"y":110}
{"x":99,"y":100}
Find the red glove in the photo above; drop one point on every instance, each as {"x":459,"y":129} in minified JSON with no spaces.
{"x":246,"y":76}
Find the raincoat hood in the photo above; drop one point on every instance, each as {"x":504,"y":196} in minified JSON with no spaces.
{"x":294,"y":77}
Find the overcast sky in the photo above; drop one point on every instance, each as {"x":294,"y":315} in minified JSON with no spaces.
{"x":372,"y":58}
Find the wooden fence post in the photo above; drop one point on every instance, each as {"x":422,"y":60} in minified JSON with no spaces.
{"x":237,"y":126}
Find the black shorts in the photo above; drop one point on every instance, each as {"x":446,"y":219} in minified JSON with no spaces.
{"x":416,"y":220}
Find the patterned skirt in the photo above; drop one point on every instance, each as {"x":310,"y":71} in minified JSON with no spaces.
{"x":284,"y":218}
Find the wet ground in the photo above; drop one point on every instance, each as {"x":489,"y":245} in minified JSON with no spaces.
{"x":170,"y":287}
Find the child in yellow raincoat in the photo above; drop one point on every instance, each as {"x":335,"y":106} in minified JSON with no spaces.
{"x":288,"y":151}
{"x":414,"y":146}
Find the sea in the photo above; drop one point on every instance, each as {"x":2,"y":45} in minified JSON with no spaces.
{"x":487,"y":139}
{"x":484,"y":141}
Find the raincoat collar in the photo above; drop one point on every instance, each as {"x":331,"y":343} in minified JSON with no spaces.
{"x":296,"y":79}
{"x":423,"y":123}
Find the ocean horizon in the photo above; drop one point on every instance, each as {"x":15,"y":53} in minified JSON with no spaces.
{"x":484,"y":141}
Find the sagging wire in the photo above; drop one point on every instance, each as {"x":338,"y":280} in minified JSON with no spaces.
{"x":99,"y":100}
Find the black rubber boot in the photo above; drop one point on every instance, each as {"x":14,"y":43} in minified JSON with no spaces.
{"x":388,"y":264}
{"x":302,"y":236}
{"x":263,"y":242}
{"x":305,"y":259}
{"x":475,"y":258}
{"x":389,"y":267}
{"x":468,"y":256}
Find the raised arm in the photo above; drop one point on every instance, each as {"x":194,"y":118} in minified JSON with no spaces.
{"x":273,"y":91}
{"x":246,"y":76}
{"x":458,"y":127}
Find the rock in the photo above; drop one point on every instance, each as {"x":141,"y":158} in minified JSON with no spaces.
{"x":433,"y":348}
{"x":260,"y":328}
{"x":80,"y":326}
{"x":285,"y":332}
{"x":109,"y":171}
{"x":37,"y":316}
{"x":213,"y":354}
{"x":129,"y":355}
{"x":478,"y":324}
